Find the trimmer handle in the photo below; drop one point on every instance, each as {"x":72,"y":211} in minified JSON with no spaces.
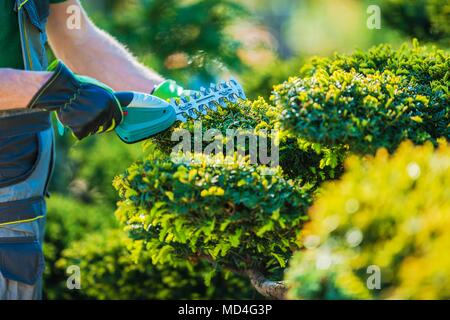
{"x":144,"y":116}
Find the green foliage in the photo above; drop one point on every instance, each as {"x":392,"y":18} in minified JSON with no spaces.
{"x":183,"y":37}
{"x":423,"y":19}
{"x":234,"y":215}
{"x":370,"y":99}
{"x":391,"y":212}
{"x":252,"y":116}
{"x":69,"y":220}
{"x":85,"y":235}
{"x":227,"y":211}
{"x":309,"y":163}
{"x":110,"y":271}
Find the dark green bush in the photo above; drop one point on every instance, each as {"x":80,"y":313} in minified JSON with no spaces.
{"x":370,"y":100}
{"x":110,"y":271}
{"x":308,"y":163}
{"x":423,"y":19}
{"x":68,"y":221}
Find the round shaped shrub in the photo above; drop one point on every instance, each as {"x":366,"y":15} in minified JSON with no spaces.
{"x":370,"y":100}
{"x":234,"y":214}
{"x":381,"y":232}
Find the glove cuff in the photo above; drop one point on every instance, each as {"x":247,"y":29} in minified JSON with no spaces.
{"x":62,"y":85}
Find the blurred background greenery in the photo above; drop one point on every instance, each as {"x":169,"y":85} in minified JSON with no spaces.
{"x":262,"y":43}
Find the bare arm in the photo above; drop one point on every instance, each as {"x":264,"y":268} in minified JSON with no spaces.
{"x":92,"y":52}
{"x":88,"y":51}
{"x":17,"y":87}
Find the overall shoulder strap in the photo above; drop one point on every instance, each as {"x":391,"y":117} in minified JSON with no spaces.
{"x":32,"y":15}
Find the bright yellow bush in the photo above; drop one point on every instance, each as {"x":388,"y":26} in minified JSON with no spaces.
{"x":388,"y":212}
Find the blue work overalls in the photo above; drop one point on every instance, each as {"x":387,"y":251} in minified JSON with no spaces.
{"x":26,"y":164}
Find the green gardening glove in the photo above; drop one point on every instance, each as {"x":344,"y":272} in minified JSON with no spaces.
{"x":169,"y":89}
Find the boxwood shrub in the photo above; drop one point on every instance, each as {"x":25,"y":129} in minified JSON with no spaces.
{"x":307,"y":162}
{"x":369,"y":100}
{"x":234,"y":214}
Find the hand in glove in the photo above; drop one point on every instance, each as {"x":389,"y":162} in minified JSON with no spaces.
{"x":83,"y":104}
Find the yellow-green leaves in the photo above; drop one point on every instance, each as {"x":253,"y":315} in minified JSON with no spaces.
{"x":229,"y":212}
{"x":337,"y":102}
{"x":212,"y":191}
{"x":386,"y":212}
{"x":417,"y":119}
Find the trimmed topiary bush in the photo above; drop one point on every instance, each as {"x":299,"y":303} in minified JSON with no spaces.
{"x":387,"y":213}
{"x":308,"y":163}
{"x":233,"y":214}
{"x":370,"y":100}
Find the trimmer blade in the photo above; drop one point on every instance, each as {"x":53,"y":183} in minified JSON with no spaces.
{"x":198,"y":103}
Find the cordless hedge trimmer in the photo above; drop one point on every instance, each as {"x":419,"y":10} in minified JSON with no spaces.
{"x":146,"y":115}
{"x":86,"y":106}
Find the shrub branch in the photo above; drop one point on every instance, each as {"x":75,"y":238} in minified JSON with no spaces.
{"x":268,"y":288}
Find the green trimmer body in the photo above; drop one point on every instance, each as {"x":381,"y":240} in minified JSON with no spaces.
{"x":146,"y":115}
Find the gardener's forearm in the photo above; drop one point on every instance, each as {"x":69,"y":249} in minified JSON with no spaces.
{"x":92,"y":52}
{"x":17,"y":87}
